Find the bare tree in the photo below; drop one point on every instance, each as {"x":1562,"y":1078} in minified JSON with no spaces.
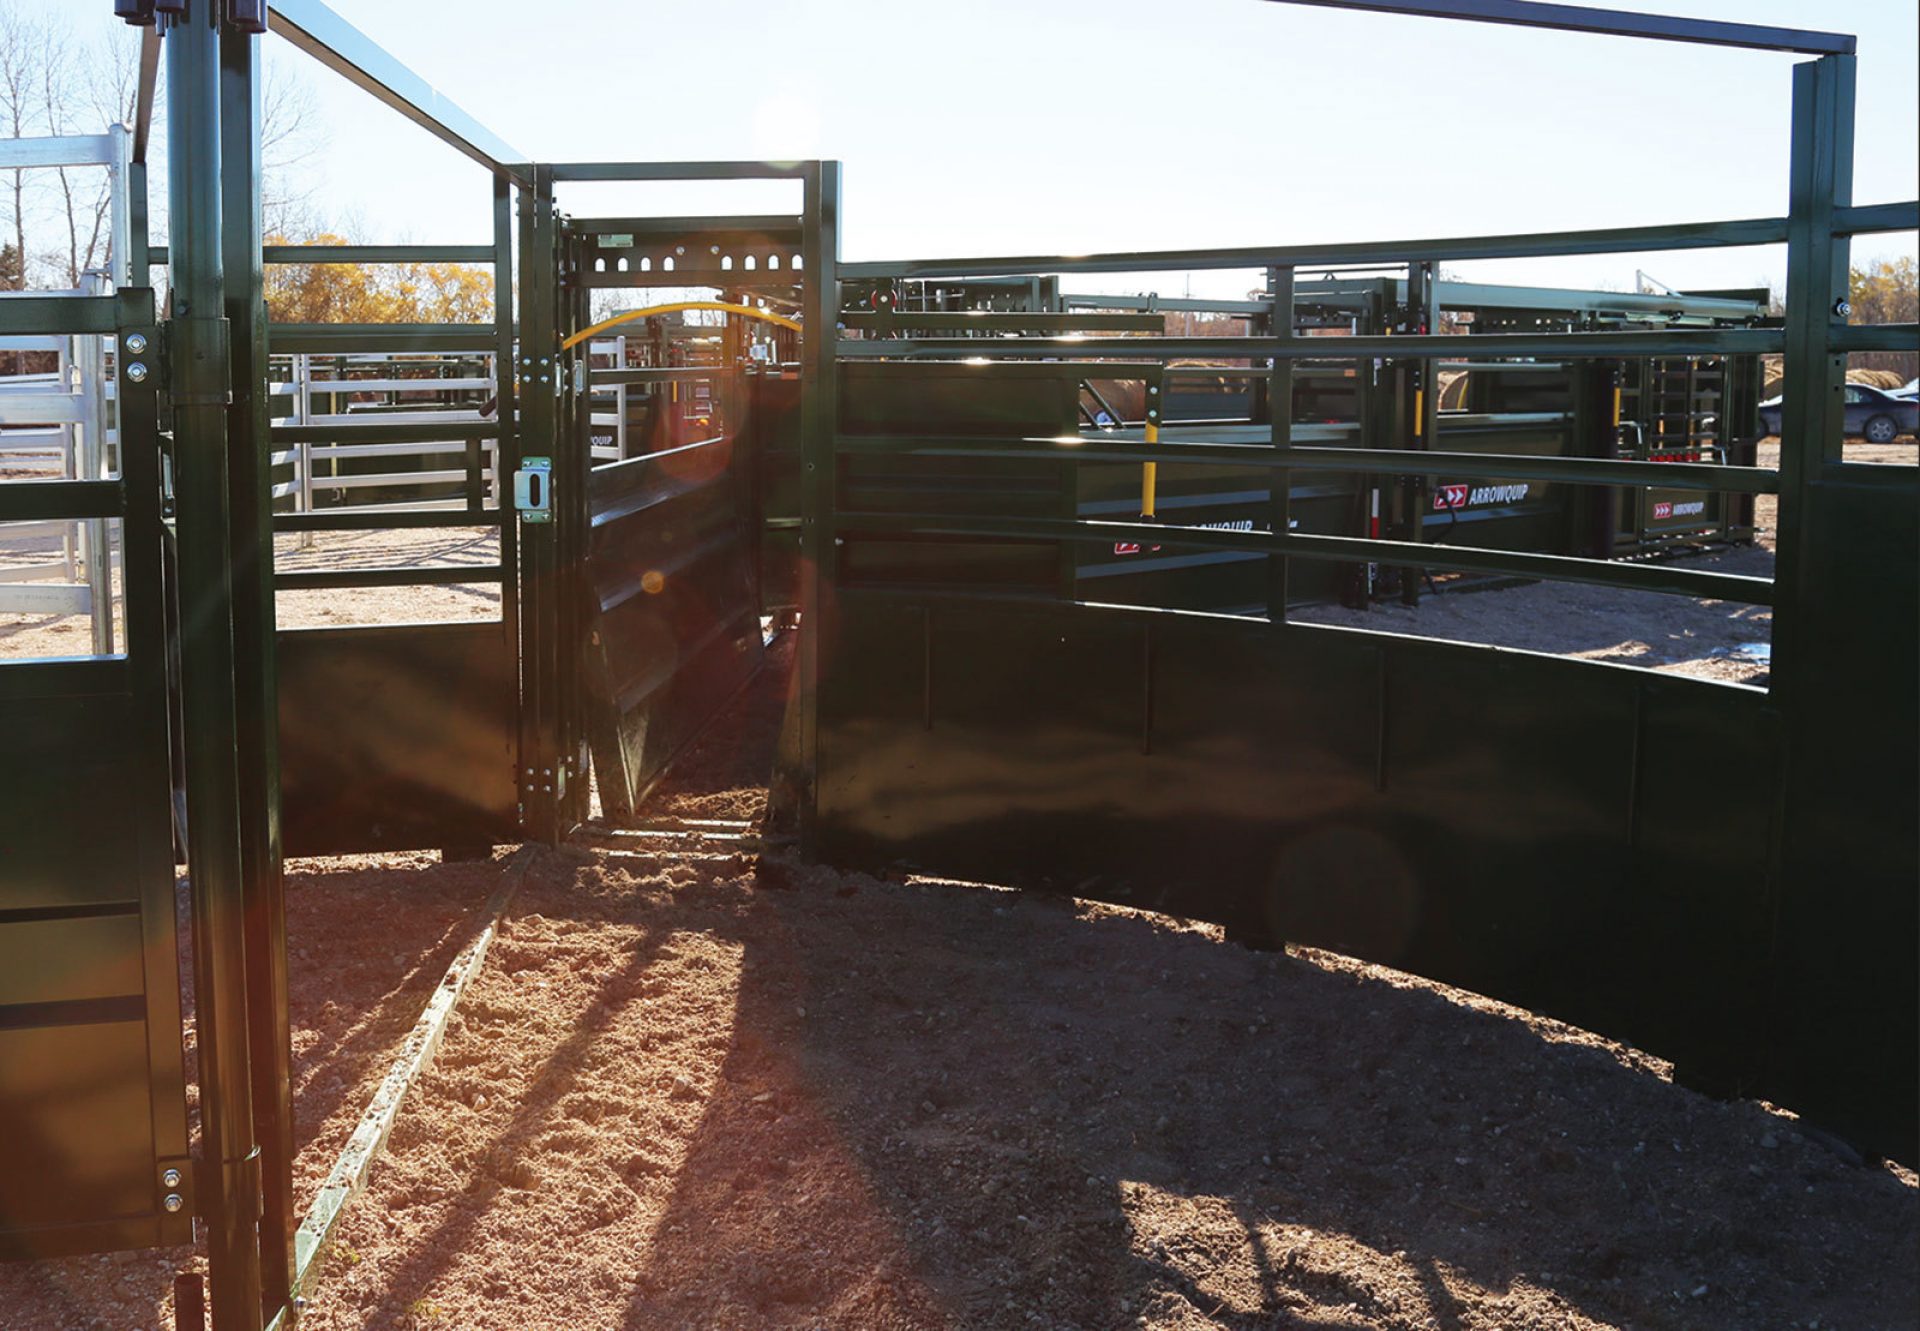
{"x":50,"y":83}
{"x":289,"y":141}
{"x":66,"y":85}
{"x":17,"y":106}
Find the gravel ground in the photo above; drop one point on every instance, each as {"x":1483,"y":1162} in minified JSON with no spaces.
{"x":23,"y":636}
{"x":1686,"y":635}
{"x":683,"y":1097}
{"x":368,"y":940}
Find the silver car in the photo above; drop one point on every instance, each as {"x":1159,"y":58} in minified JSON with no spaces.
{"x":1874,"y":415}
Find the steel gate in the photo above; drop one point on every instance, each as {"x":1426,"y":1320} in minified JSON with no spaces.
{"x":92,"y":1088}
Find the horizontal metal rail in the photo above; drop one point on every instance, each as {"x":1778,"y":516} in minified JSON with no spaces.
{"x":1709,"y":477}
{"x":410,"y":433}
{"x":1002,"y":321}
{"x":61,"y":150}
{"x":421,"y":413}
{"x":354,"y":56}
{"x":347,"y":579}
{"x":1170,"y":304}
{"x":765,"y":225}
{"x":11,"y":575}
{"x":1450,"y":295}
{"x":1607,"y":22}
{"x":325,"y":386}
{"x":376,"y":254}
{"x":1680,"y":342}
{"x":1877,"y":337}
{"x":1350,"y":254}
{"x":676,"y":374}
{"x":51,"y":501}
{"x":1345,"y":549}
{"x":64,"y":599}
{"x":45,"y":408}
{"x":624,"y":171}
{"x":374,"y":518}
{"x":326,"y":452}
{"x":386,"y":480}
{"x":333,"y":338}
{"x":1868,"y":218}
{"x":63,"y":677}
{"x":48,"y":315}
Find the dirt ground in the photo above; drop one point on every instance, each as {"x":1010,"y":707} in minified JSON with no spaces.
{"x":23,"y":636}
{"x":368,"y":940}
{"x":1702,"y":637}
{"x":1687,"y":635}
{"x":693,"y":1088}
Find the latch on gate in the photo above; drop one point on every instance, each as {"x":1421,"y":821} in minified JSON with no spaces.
{"x":533,"y":490}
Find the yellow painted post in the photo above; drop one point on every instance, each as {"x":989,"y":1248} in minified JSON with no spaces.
{"x":1149,"y":475}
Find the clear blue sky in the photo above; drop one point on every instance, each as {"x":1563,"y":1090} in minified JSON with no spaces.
{"x":1081,"y":125}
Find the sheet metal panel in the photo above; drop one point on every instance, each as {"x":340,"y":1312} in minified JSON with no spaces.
{"x":1515,"y":824}
{"x":773,"y":424}
{"x":92,"y":1087}
{"x":1849,"y":1035}
{"x":673,"y":626}
{"x":397,"y":737}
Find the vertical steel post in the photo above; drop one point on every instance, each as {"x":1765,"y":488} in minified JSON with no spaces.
{"x":250,"y":488}
{"x":120,"y":204}
{"x":90,"y":360}
{"x":539,"y":386}
{"x":1280,"y":413}
{"x":1812,"y":433}
{"x":573,"y":458}
{"x":210,"y":741}
{"x":506,"y":449}
{"x":819,"y":426}
{"x":1423,"y":316}
{"x":139,"y":242}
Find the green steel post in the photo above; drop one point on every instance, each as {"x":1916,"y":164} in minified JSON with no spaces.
{"x":1280,"y":487}
{"x":255,"y":676}
{"x":574,"y":459}
{"x":1423,"y":314}
{"x":506,"y":401}
{"x":539,"y":366}
{"x":198,"y":338}
{"x":139,"y":246}
{"x":819,"y":428}
{"x":1812,"y":412}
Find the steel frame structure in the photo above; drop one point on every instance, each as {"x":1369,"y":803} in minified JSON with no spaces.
{"x":224,"y":672}
{"x":929,"y":725}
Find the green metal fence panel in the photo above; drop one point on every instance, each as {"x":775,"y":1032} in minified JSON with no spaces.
{"x":1721,"y":873}
{"x":92,"y":1086}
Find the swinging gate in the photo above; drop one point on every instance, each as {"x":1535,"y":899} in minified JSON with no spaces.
{"x":1721,"y":872}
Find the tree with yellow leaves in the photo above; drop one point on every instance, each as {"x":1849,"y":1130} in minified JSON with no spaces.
{"x":1886,"y":291}
{"x":436,"y":293}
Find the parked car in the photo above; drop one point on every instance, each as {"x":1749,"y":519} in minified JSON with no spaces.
{"x":1873,"y":414}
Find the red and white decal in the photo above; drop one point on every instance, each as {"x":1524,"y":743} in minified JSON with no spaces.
{"x":1450,"y":496}
{"x":1662,"y":510}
